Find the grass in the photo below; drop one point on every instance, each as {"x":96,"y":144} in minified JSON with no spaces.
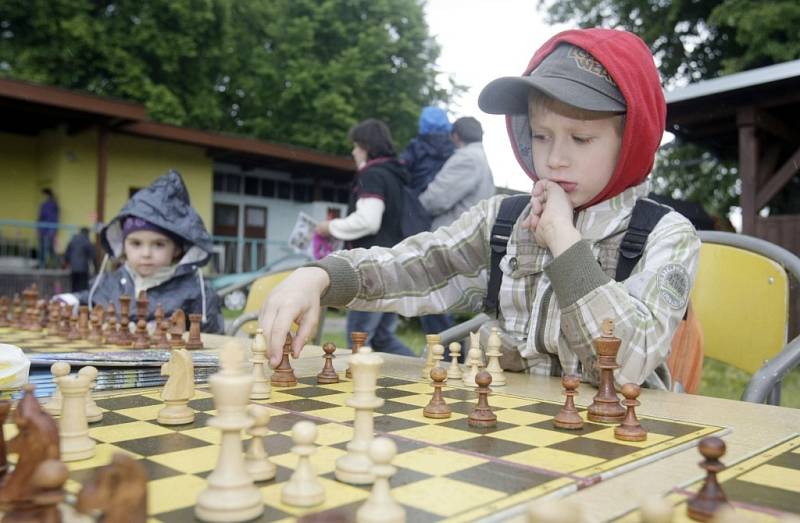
{"x":719,"y":380}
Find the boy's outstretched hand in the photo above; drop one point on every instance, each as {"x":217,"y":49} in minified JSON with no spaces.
{"x":550,"y":220}
{"x":295,"y":299}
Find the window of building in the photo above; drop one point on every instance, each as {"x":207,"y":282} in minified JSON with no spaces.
{"x":285,"y":190}
{"x":268,"y":188}
{"x":251,"y":185}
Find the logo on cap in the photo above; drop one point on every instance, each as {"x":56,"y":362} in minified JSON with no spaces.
{"x":589,"y":63}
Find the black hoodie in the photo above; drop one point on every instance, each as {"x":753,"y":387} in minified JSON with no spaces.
{"x":164,"y":203}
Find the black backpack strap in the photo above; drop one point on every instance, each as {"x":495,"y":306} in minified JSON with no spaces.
{"x":645,"y":217}
{"x":510,"y":209}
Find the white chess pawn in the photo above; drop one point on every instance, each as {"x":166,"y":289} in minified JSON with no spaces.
{"x":454,"y":371}
{"x":261,"y":387}
{"x":438,"y":357}
{"x":256,"y":459}
{"x":493,"y":359}
{"x":304,"y":488}
{"x":380,"y":507}
{"x":58,"y":369}
{"x":474,"y":360}
{"x":93,"y":412}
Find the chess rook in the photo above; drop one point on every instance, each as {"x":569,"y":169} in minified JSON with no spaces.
{"x":430,"y":341}
{"x":73,"y":425}
{"x":358,"y":339}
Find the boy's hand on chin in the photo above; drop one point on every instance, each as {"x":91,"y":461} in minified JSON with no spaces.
{"x":551,"y":217}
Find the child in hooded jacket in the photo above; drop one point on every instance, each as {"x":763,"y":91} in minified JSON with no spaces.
{"x":584,"y":120}
{"x":164,"y":245}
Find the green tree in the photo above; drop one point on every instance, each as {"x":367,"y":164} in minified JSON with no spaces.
{"x":694,"y":40}
{"x":292,"y":71}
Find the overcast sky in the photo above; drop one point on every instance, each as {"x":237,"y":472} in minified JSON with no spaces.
{"x":482,"y":40}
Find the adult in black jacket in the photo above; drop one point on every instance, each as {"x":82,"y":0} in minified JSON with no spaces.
{"x":79,"y":254}
{"x":373,"y":219}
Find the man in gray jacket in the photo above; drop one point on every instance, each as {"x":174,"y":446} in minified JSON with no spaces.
{"x":465,"y":178}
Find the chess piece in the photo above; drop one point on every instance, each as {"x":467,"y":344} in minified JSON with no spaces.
{"x":4,"y":312}
{"x":39,"y":321}
{"x":474,"y":356}
{"x":606,"y":407}
{"x":142,"y":338}
{"x":117,"y":490}
{"x":5,"y":408}
{"x":93,"y":412}
{"x":493,"y":359}
{"x":380,"y":507}
{"x":18,"y":319}
{"x":482,"y":415}
{"x":142,"y":306}
{"x":568,"y":417}
{"x":178,"y":390}
{"x":355,"y":467}
{"x":73,"y":424}
{"x":328,"y":373}
{"x":35,"y":443}
{"x":194,"y":342}
{"x":54,"y":317}
{"x":156,"y":340}
{"x":178,"y":320}
{"x":83,"y":321}
{"x":74,"y":333}
{"x":630,"y":429}
{"x":261,"y":389}
{"x":110,"y":335}
{"x":438,"y":357}
{"x":304,"y":488}
{"x":710,"y":498}
{"x":95,"y":321}
{"x":358,"y":339}
{"x":437,"y":408}
{"x":430,"y":341}
{"x":64,"y":324}
{"x":283,"y":374}
{"x":656,"y":509}
{"x":124,"y":333}
{"x":47,"y":492}
{"x":163,"y":335}
{"x":256,"y":459}
{"x":230,"y":495}
{"x":58,"y":369}
{"x":454,"y":371}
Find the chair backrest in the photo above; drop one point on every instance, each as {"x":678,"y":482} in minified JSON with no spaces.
{"x":741,"y":298}
{"x":259,"y":291}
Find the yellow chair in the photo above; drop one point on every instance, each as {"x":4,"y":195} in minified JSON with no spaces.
{"x":259,"y":290}
{"x":741,"y":298}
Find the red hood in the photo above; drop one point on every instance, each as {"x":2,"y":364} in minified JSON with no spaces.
{"x":629,"y":62}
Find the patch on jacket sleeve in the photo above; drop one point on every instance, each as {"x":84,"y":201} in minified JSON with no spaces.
{"x":673,"y":285}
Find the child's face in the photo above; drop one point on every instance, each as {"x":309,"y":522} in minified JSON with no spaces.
{"x":359,"y":155}
{"x":149,"y":251}
{"x":579,"y":155}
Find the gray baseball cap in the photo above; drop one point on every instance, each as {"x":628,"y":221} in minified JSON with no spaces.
{"x":568,"y":74}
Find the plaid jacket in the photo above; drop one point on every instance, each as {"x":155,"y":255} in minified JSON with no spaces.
{"x":551,"y":308}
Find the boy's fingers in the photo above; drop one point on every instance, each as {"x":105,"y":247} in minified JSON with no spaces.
{"x":267,"y":321}
{"x":280,"y":328}
{"x":307,"y":323}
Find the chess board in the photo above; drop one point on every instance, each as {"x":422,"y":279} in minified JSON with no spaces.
{"x":447,"y":470}
{"x":41,"y":342}
{"x":764,"y":487}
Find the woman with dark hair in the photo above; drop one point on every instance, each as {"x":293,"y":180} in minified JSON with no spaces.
{"x":373,"y":218}
{"x":47,"y":227}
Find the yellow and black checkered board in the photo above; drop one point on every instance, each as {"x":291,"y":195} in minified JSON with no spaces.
{"x":30,"y":341}
{"x":447,"y":470}
{"x":763,"y":488}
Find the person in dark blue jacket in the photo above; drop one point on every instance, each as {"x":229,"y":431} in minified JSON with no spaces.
{"x":163,"y":245}
{"x":426,"y":153}
{"x":79,"y":256}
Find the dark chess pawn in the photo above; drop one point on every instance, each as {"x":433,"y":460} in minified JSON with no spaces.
{"x":4,"y":312}
{"x":74,"y":333}
{"x":328,"y":374}
{"x":178,"y":327}
{"x":437,"y":408}
{"x":630,"y":429}
{"x":83,"y":321}
{"x":194,"y":342}
{"x":283,"y":375}
{"x":568,"y":417}
{"x":142,"y":340}
{"x":159,"y":315}
{"x":710,"y":498}
{"x":483,"y":416}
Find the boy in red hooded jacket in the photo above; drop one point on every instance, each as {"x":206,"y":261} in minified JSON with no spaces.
{"x":585,"y":120}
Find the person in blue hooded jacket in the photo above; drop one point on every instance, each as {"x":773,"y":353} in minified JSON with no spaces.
{"x":163,"y":245}
{"x":425,"y":154}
